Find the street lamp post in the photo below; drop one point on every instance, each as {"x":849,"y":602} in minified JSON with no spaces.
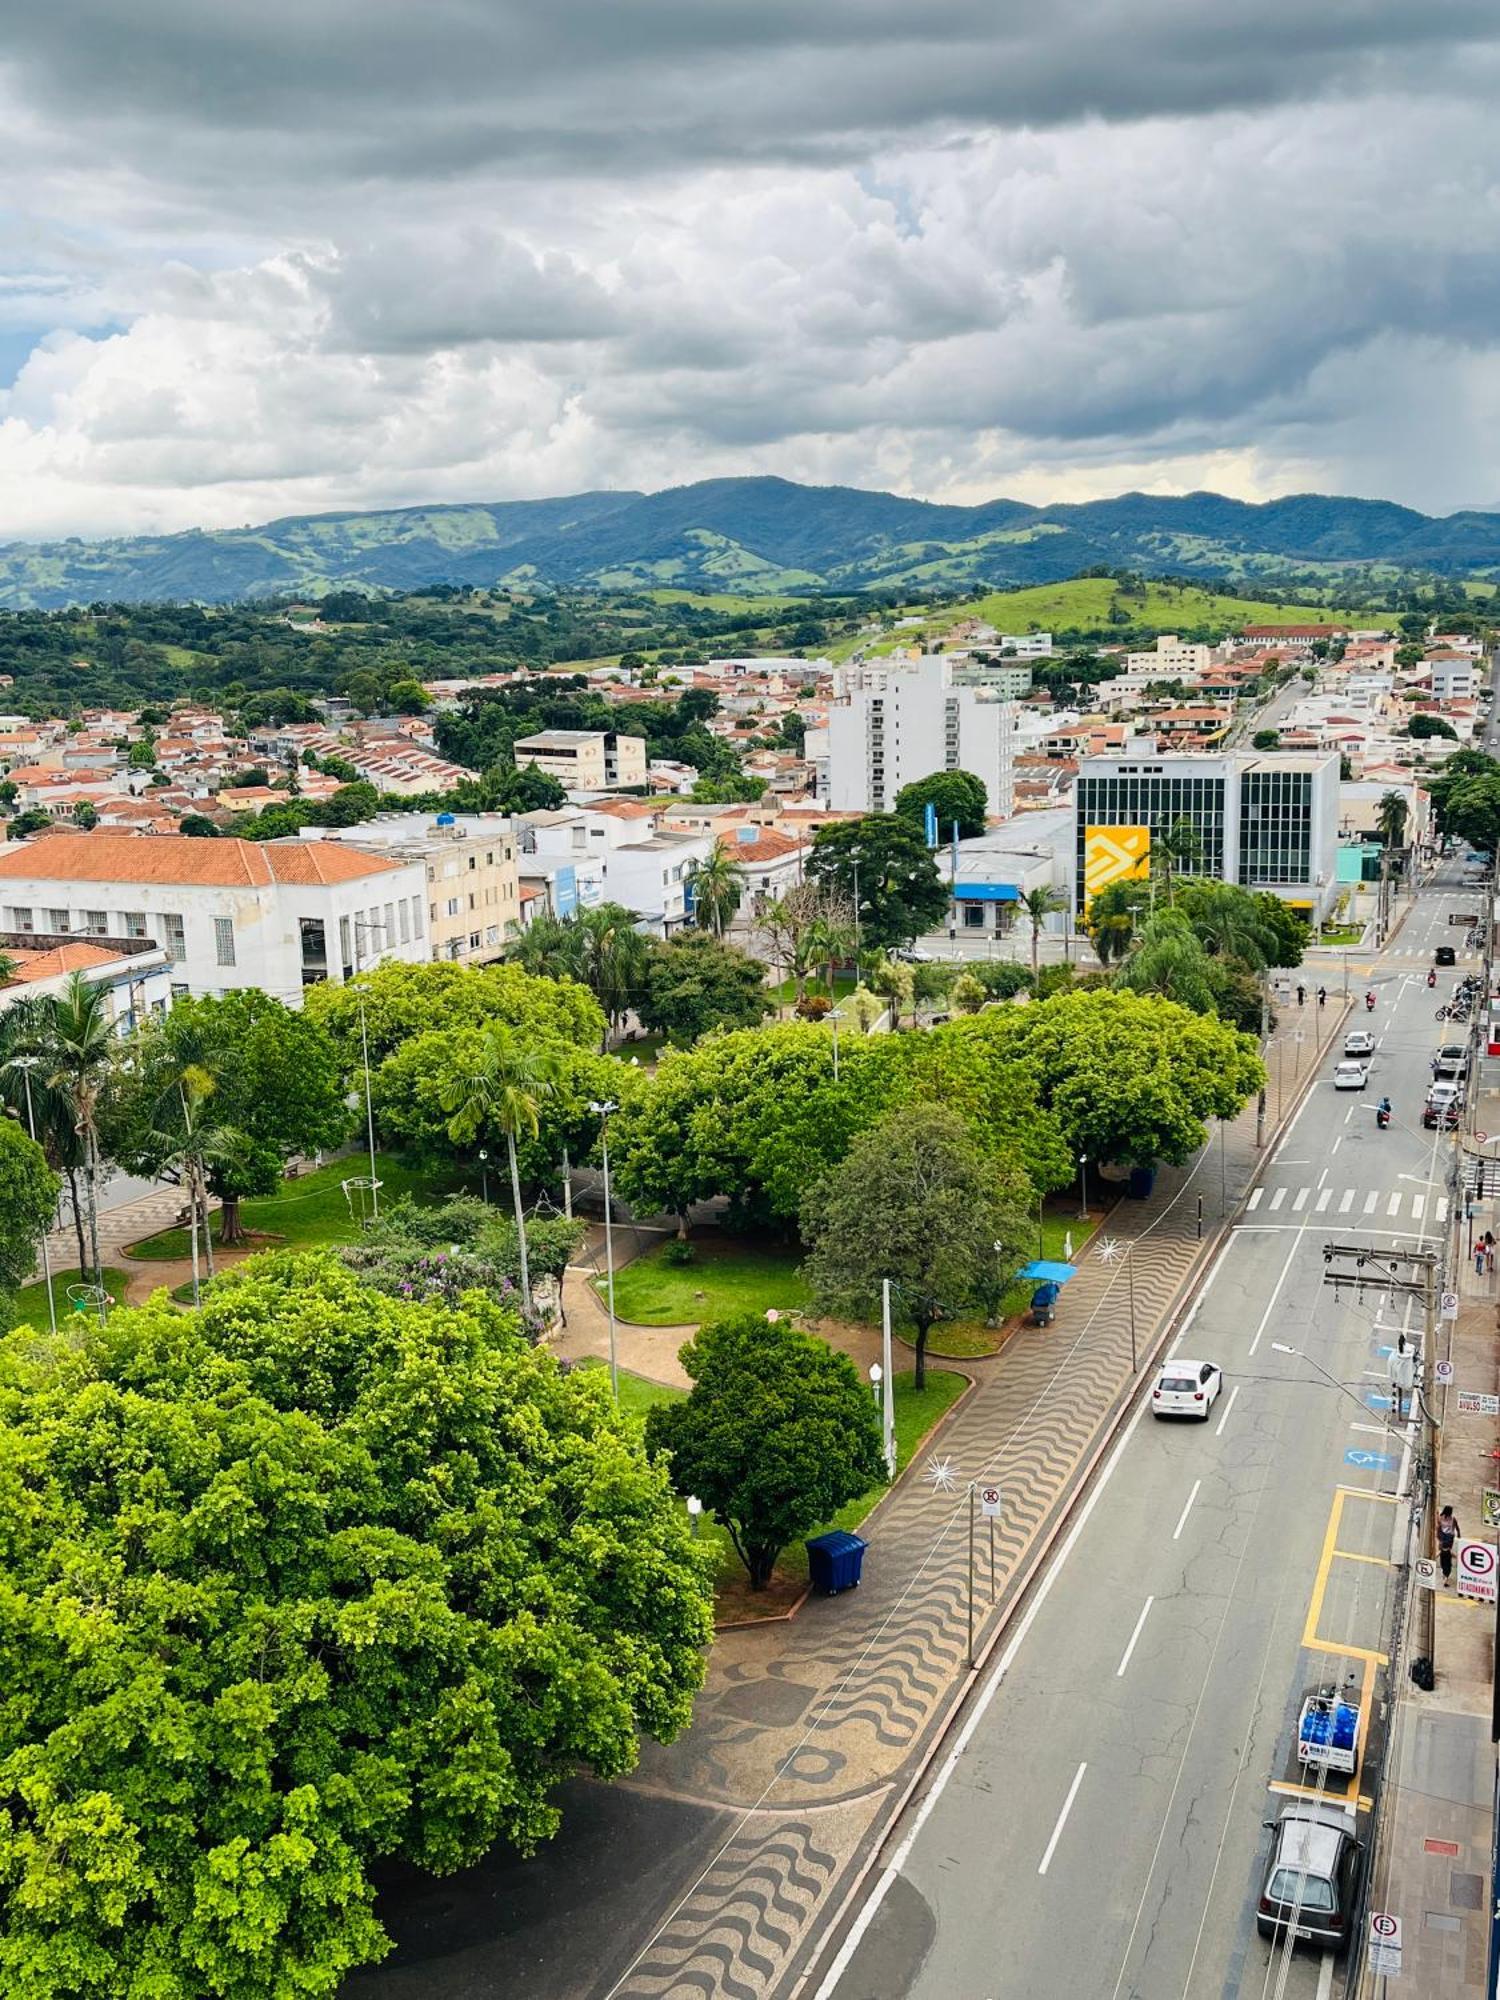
{"x":484,"y":1174}
{"x":601,"y":1110}
{"x":25,"y":1064}
{"x":694,"y":1510}
{"x":876,"y":1374}
{"x":1083,"y":1187}
{"x":360,"y":924}
{"x":888,"y":1400}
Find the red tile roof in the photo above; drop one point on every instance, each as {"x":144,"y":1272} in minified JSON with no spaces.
{"x":175,"y":858}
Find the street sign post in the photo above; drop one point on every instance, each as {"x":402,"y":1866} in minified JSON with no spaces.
{"x":1476,"y":1571}
{"x":1450,"y":1305}
{"x":1384,"y":1951}
{"x":991,"y":1500}
{"x":1442,"y":1374}
{"x":1424,"y":1572}
{"x":1489,"y":1508}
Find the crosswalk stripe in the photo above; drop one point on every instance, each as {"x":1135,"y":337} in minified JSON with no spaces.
{"x":1301,"y":1199}
{"x":1346,"y":1201}
{"x":1393,"y":1206}
{"x":1418,"y":1203}
{"x":1278,"y":1198}
{"x":1442,"y":1208}
{"x":1255,"y":1199}
{"x":1324,"y":1198}
{"x":1370,"y":1201}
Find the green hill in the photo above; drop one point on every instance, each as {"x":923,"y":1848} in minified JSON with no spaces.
{"x":769,"y":538}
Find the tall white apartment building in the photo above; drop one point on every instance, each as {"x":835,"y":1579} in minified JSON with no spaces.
{"x":897,"y":723}
{"x":278,"y":914}
{"x":1171,"y":659}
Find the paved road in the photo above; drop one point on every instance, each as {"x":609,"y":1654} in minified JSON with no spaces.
{"x":1100,"y":1833}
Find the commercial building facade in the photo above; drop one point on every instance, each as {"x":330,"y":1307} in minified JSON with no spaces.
{"x":469,"y":859}
{"x":585,"y":760}
{"x":895,"y":725}
{"x":1263,"y":822}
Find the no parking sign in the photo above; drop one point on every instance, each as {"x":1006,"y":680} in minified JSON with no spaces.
{"x":1476,"y":1571}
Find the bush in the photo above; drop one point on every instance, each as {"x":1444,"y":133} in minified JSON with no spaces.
{"x":1001,"y":979}
{"x":680,"y":1252}
{"x":813,"y":1006}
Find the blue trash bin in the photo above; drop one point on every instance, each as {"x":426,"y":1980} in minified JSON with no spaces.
{"x":834,"y":1561}
{"x":1142,"y":1180}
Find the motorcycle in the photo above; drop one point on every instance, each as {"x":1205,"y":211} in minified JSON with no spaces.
{"x":1369,"y":1003}
{"x":1432,"y":979}
{"x":1383,"y":1114}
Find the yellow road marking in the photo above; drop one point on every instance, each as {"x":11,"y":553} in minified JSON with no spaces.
{"x":1290,"y":1791}
{"x":1364,"y":1493}
{"x":1348,"y":1556}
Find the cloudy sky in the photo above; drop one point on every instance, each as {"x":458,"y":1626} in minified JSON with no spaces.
{"x":270,"y":256}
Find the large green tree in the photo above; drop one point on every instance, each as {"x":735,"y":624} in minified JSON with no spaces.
{"x":403,"y":1001}
{"x":956,"y":795}
{"x":881,"y":866}
{"x":776,"y":1435}
{"x":951,"y":1220}
{"x":1132,"y":1077}
{"x":28,"y":1201}
{"x":307,"y":1580}
{"x":694,"y":984}
{"x":266,"y":1079}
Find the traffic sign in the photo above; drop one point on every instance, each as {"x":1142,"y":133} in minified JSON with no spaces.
{"x":1476,"y":1571}
{"x":1450,"y":1305}
{"x":1384,"y":1954}
{"x":1424,"y":1569}
{"x":1442,"y":1372}
{"x":991,"y":1500}
{"x":1475,"y":1403}
{"x":1489,"y":1508}
{"x":1482,"y":1138}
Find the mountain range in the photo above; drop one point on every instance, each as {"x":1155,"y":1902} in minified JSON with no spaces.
{"x":754,"y":537}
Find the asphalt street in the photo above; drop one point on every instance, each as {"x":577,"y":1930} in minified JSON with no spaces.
{"x":1099,"y":1832}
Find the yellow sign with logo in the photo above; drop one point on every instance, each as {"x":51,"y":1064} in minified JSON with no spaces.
{"x":1114,"y":854}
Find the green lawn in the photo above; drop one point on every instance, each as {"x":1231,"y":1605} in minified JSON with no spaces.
{"x":962,"y":1339}
{"x":726,"y":1276}
{"x":637,"y":1394}
{"x":313,"y":1209}
{"x":785,"y":994}
{"x":30,"y":1305}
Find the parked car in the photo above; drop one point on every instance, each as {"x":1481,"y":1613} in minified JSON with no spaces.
{"x":1186,"y":1389}
{"x":1359,"y":1042}
{"x":1452,"y":1060}
{"x":1444,"y":1104}
{"x":1311,"y":1884}
{"x":1351,"y":1076}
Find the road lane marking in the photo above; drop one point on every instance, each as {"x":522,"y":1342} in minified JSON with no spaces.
{"x":1370,"y":1200}
{"x":1324,"y":1198}
{"x":1299,"y":1230}
{"x":1182,"y":1518}
{"x":1442,"y":1208}
{"x":1062,"y":1820}
{"x":1393,"y":1206}
{"x":1322,"y":1177}
{"x":1278,"y":1198}
{"x":1139,"y":1623}
{"x":1301,"y":1199}
{"x":1346,"y":1201}
{"x":1256,"y":1198}
{"x":1325,"y":1976}
{"x":1418,"y":1203}
{"x":1219,"y":1427}
{"x":1337,"y":1139}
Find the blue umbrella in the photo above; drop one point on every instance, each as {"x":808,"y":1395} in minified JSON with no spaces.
{"x":1045,"y":1269}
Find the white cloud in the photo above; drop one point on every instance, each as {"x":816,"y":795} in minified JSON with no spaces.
{"x":318,"y":256}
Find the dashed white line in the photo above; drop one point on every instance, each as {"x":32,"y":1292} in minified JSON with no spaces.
{"x":1418,"y":1203}
{"x":1139,"y":1624}
{"x":1188,"y":1508}
{"x":1062,"y":1820}
{"x":1219,"y":1427}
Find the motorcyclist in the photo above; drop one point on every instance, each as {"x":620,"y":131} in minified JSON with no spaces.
{"x":1383,"y":1113}
{"x":1431,"y":976}
{"x":1370,"y":1001}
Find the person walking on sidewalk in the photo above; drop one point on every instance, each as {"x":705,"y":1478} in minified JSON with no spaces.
{"x":1448,"y":1532}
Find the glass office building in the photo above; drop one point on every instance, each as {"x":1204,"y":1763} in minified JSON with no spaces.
{"x":1265,"y":822}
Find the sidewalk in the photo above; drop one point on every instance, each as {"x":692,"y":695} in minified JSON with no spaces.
{"x":811,"y":1730}
{"x":1433,"y":1864}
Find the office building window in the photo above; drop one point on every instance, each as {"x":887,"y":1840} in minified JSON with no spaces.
{"x":174,"y":937}
{"x":344,"y":957}
{"x":473,"y":863}
{"x":135,"y":923}
{"x":179,"y":990}
{"x":1275,"y":827}
{"x":21,"y":919}
{"x":388,"y":934}
{"x":453,"y":906}
{"x":473,"y":940}
{"x":416,"y":916}
{"x":405,"y":916}
{"x":96,"y":922}
{"x":57,"y":922}
{"x":224,"y":940}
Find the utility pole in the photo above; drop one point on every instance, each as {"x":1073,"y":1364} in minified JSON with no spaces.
{"x":1265,"y":1029}
{"x":1413,"y":1274}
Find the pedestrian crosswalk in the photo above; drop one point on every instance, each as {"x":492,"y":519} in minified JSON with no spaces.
{"x":1388,"y":1204}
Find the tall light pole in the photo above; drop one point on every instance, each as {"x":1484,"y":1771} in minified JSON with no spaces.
{"x":364,"y":1042}
{"x":888,"y":1400}
{"x":26,"y":1064}
{"x":601,"y":1110}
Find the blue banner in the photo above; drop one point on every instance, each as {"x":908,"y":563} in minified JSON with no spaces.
{"x":929,"y":823}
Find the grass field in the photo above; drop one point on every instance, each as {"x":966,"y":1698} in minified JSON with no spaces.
{"x":725,"y":1277}
{"x":30,"y":1307}
{"x":313,"y":1209}
{"x":965,"y":1339}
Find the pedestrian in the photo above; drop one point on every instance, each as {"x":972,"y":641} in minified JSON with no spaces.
{"x":1478,"y":1256}
{"x":1489,"y":1255}
{"x":1322,"y":995}
{"x":1401,"y":1372}
{"x":1301,"y":995}
{"x":1448,"y":1532}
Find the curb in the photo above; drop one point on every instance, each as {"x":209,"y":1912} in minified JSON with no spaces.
{"x":1041,"y":1553}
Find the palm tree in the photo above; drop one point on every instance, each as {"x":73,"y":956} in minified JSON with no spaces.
{"x":718,"y":886}
{"x":510,"y":1080}
{"x":1038,"y":905}
{"x":1168,"y":959}
{"x":612,"y":960}
{"x":1390,"y":819}
{"x":1227,"y":923}
{"x":188,"y":1145}
{"x":78,"y":1050}
{"x":550,"y":947}
{"x":1176,"y":851}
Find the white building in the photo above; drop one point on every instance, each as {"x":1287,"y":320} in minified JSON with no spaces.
{"x":585,"y":760}
{"x":133,"y":974}
{"x":473,"y":890}
{"x":1171,"y":659}
{"x":1027,"y":645}
{"x":279,"y":914}
{"x":897,"y":724}
{"x":1454,"y":675}
{"x":645,"y":866}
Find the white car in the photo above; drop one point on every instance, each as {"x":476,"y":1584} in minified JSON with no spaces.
{"x":1186,"y":1389}
{"x":1359,"y":1042}
{"x":1351,"y":1076}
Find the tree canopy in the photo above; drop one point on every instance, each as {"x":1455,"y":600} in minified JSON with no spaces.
{"x":957,"y":795}
{"x":694,"y":984}
{"x":307,"y":1579}
{"x":28,"y":1200}
{"x":884,"y":856}
{"x":401,"y":1001}
{"x":776,"y":1435}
